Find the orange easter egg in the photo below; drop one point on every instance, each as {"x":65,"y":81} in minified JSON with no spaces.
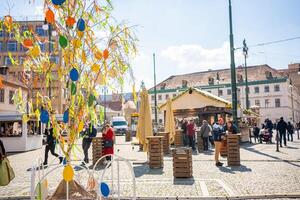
{"x":27,"y":43}
{"x":105,"y":54}
{"x":70,"y":21}
{"x":50,"y":18}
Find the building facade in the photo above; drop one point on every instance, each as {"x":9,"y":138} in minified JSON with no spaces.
{"x":270,"y":89}
{"x":35,"y":83}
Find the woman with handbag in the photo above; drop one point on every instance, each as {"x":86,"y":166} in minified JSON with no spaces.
{"x":6,"y":172}
{"x":108,"y":140}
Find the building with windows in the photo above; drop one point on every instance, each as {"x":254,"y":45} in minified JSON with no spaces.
{"x":15,"y":72}
{"x":270,"y":89}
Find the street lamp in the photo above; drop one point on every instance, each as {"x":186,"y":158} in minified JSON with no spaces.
{"x":245,"y":52}
{"x":232,"y":67}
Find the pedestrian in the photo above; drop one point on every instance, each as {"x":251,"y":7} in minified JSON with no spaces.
{"x":269,"y":127}
{"x":184,"y":132}
{"x":108,"y":141}
{"x":281,"y":127}
{"x":218,"y":134}
{"x":88,"y":135}
{"x":50,"y":145}
{"x":191,"y":130}
{"x":7,"y":173}
{"x":256,"y":131}
{"x":230,"y":127}
{"x":205,"y":131}
{"x":290,"y":131}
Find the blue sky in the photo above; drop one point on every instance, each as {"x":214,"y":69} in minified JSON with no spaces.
{"x":193,"y":35}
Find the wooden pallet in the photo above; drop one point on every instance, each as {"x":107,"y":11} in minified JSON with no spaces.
{"x":182,"y":162}
{"x":97,"y":149}
{"x":166,"y":141}
{"x":155,"y":151}
{"x":233,"y":150}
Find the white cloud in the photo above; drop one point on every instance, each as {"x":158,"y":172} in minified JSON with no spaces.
{"x":39,"y":10}
{"x":196,"y":57}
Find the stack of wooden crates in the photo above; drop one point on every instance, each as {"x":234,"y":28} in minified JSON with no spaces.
{"x":178,"y":140}
{"x":166,"y":141}
{"x":155,"y":154}
{"x":182,"y":162}
{"x":233,"y":150}
{"x":97,"y":148}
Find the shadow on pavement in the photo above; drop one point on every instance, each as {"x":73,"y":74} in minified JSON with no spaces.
{"x":184,"y":181}
{"x":232,"y":170}
{"x":144,"y":169}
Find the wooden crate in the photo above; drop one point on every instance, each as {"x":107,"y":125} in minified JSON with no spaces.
{"x":200,"y":143}
{"x":233,"y":150}
{"x":178,"y":140}
{"x":155,"y":151}
{"x":166,"y":141}
{"x":182,"y":162}
{"x":97,"y":149}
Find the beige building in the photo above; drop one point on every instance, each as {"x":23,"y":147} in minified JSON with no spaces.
{"x":18,"y":52}
{"x":270,"y":89}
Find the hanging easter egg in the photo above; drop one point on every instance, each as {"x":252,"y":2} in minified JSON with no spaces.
{"x":98,"y":54}
{"x":73,"y":88}
{"x":44,"y":116}
{"x":81,"y":24}
{"x":105,"y":54}
{"x":63,"y":42}
{"x":76,"y":43}
{"x":91,"y":100}
{"x":104,"y":189}
{"x":50,"y":16}
{"x":27,"y":43}
{"x":74,"y":75}
{"x":95,"y":67}
{"x":66,"y":116}
{"x":70,"y":21}
{"x":64,"y":161}
{"x":35,"y":51}
{"x":58,"y":2}
{"x":68,"y":173}
{"x":80,"y":126}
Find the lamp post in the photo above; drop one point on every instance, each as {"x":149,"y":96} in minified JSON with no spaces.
{"x":232,"y":67}
{"x":245,"y":52}
{"x":155,"y":98}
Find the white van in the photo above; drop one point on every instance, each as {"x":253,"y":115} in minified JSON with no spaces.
{"x":120,"y":125}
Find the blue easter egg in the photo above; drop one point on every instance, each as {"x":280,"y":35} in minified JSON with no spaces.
{"x":74,"y":75}
{"x":104,"y":189}
{"x":64,"y":161}
{"x":44,"y":116}
{"x":58,"y":2}
{"x":66,"y":116}
{"x":81,"y":24}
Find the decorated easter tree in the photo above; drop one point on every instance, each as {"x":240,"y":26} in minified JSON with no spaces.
{"x":95,"y":51}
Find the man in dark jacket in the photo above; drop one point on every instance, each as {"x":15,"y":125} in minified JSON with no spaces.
{"x":89,"y":134}
{"x":281,"y":127}
{"x":50,"y":146}
{"x":269,"y":126}
{"x":290,"y":131}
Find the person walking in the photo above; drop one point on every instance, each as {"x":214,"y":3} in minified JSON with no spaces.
{"x":50,"y":145}
{"x":184,"y":132}
{"x":205,"y":131}
{"x":191,"y":130}
{"x":281,"y":127}
{"x":256,"y":131}
{"x":88,"y":135}
{"x":108,"y":141}
{"x":290,"y":131}
{"x":269,"y":127}
{"x":218,"y":133}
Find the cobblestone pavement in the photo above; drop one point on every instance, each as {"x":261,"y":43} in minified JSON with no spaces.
{"x":262,"y":171}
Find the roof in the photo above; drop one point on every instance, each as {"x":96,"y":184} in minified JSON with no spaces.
{"x":9,"y":81}
{"x":196,"y":79}
{"x":201,"y":92}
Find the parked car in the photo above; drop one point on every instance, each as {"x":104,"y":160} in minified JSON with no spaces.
{"x":120,"y":125}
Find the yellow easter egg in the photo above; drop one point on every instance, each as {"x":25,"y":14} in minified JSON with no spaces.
{"x":35,"y":51}
{"x":80,"y":126}
{"x":68,"y":173}
{"x":76,"y":43}
{"x":98,"y":54}
{"x":95,"y":67}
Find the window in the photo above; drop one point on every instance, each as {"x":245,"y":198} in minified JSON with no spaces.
{"x":211,"y":81}
{"x":267,"y":88}
{"x":54,"y":59}
{"x":256,"y":90}
{"x":152,"y":97}
{"x":267,"y":103}
{"x":257,"y":102}
{"x":174,"y":95}
{"x":277,"y":103}
{"x":21,"y":60}
{"x":2,"y":95}
{"x":1,"y":46}
{"x":159,"y":97}
{"x":209,"y":91}
{"x":276,"y":88}
{"x":7,"y":60}
{"x":153,"y":110}
{"x":240,"y":78}
{"x":42,"y":47}
{"x":160,"y":121}
{"x":184,"y":83}
{"x":269,"y":75}
{"x":167,"y":96}
{"x":11,"y":94}
{"x":40,"y":31}
{"x":11,"y":46}
{"x":220,"y":92}
{"x":24,"y":28}
{"x":163,"y":86}
{"x":228,"y":91}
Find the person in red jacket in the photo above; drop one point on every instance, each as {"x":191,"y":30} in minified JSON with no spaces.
{"x":108,"y":140}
